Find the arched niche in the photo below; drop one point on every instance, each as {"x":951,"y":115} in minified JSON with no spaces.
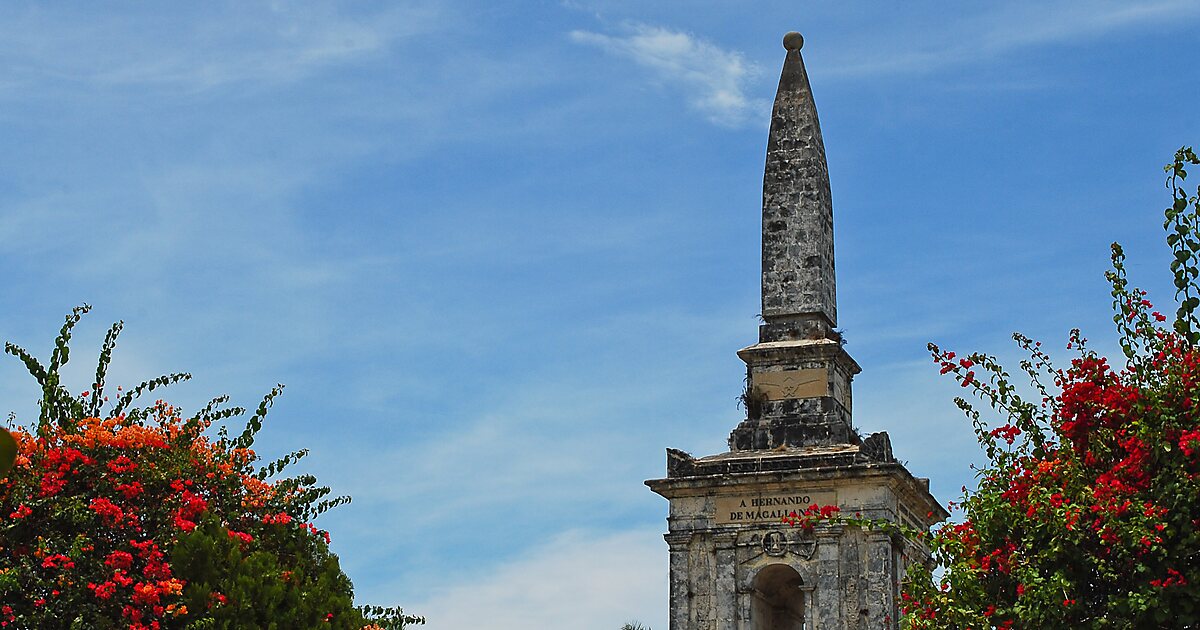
{"x":778,"y":599}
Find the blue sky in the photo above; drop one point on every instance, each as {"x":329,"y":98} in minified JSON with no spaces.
{"x":502,"y":254}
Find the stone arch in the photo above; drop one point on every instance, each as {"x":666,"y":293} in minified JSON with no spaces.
{"x":752,"y":568}
{"x":778,"y":599}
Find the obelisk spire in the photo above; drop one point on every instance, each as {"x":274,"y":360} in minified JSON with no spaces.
{"x":798,"y":390}
{"x":798,"y":287}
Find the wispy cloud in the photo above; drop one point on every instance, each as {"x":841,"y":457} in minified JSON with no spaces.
{"x":580,"y":580}
{"x":558,"y":408}
{"x":713,"y":79}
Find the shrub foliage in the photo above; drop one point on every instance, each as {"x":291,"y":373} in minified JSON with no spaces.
{"x":119,"y":515}
{"x":1087,"y":514}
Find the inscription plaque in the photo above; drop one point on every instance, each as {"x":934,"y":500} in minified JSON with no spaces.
{"x":790,"y":384}
{"x":767,"y":508}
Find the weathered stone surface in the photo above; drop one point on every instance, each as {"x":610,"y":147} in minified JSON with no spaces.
{"x":848,"y":578}
{"x":797,"y":211}
{"x":776,"y":421}
{"x":878,"y":447}
{"x":734,"y":564}
{"x":799,"y":296}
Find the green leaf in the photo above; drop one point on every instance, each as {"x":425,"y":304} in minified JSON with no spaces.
{"x":254,"y":424}
{"x":33,"y":365}
{"x":148,"y":386}
{"x":61,"y":353}
{"x":110,"y":342}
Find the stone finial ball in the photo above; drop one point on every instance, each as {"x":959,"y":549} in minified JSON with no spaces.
{"x":793,"y":41}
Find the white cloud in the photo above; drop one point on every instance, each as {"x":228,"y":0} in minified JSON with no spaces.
{"x":712,"y":78}
{"x":579,"y":580}
{"x":544,"y":418}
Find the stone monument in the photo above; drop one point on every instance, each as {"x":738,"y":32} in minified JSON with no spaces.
{"x":734,"y":564}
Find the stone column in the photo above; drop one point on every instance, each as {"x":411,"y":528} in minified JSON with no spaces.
{"x":678,"y":543}
{"x":745,"y":607}
{"x":828,"y":595}
{"x":724,"y":544}
{"x":809,"y":604}
{"x":880,"y":596}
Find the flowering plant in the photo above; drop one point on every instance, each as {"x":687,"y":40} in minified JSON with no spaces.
{"x":1086,"y":515}
{"x":142,"y":518}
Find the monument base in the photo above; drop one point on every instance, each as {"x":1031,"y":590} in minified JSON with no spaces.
{"x":735,"y":564}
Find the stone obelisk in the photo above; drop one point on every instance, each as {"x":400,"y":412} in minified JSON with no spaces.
{"x":798,"y":281}
{"x":734,"y":564}
{"x":798,"y":390}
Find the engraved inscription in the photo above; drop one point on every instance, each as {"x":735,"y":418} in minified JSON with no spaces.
{"x":768,"y":508}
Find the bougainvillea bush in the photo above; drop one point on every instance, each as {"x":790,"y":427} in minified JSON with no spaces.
{"x":118,"y":516}
{"x":1088,"y":512}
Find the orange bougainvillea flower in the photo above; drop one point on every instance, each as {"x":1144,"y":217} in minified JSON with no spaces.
{"x":143,"y":518}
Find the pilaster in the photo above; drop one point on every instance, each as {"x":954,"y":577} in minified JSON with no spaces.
{"x":828,"y":600}
{"x":679,"y":545}
{"x":881,"y":579}
{"x":724,"y":543}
